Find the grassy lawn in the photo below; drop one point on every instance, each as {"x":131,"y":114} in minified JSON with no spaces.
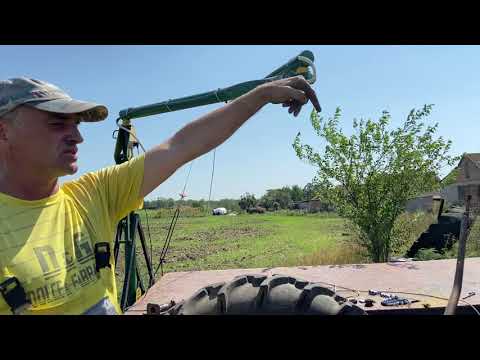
{"x":243,"y":241}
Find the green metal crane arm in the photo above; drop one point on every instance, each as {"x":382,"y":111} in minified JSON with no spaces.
{"x":298,"y":65}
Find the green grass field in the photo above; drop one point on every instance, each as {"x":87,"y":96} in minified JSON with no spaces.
{"x":243,"y":241}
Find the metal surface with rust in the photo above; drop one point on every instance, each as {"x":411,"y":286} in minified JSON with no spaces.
{"x":427,"y":277}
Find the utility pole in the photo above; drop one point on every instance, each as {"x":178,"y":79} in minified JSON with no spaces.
{"x":462,"y":241}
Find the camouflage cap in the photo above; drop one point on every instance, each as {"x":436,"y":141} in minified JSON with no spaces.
{"x":47,"y":97}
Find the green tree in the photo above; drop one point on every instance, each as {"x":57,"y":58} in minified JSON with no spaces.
{"x":268,"y":201}
{"x":276,"y":198}
{"x":246,"y":201}
{"x":369,"y":176}
{"x":169,"y":203}
{"x":309,"y":191}
{"x":283,"y":196}
{"x":296,"y":193}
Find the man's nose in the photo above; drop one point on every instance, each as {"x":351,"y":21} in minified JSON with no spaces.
{"x":75,"y":135}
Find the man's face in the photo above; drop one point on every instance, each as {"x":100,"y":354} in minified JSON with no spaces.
{"x":44,"y":141}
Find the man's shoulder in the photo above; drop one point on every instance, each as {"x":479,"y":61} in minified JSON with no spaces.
{"x":88,"y":177}
{"x":107,"y":170}
{"x":86,"y":182}
{"x":107,"y":178}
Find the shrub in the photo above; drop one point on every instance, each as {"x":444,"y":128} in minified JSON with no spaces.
{"x":428,"y":254}
{"x":407,"y":229}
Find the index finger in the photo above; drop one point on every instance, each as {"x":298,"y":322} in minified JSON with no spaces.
{"x":310,"y":93}
{"x":313,"y":98}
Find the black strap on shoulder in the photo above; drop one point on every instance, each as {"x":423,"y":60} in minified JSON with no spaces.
{"x":14,"y":295}
{"x":102,"y":255}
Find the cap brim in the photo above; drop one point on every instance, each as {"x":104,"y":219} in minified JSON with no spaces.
{"x":87,"y":110}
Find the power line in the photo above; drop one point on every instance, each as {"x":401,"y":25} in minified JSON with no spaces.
{"x":211,"y":180}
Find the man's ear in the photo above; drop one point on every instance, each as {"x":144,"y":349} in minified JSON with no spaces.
{"x":3,"y":130}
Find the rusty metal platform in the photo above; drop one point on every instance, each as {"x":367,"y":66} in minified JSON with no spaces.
{"x":421,"y":277}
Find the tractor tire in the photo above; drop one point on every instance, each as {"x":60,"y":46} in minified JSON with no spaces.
{"x":262,"y":295}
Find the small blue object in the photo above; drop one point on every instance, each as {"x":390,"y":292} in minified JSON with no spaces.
{"x":395,"y":301}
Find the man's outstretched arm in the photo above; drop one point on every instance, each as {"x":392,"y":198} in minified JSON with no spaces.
{"x":212,"y":129}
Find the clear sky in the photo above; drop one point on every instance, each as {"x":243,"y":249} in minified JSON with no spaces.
{"x":362,"y":80}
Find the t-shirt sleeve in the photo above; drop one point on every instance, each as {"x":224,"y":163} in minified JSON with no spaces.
{"x":121,"y":185}
{"x":111,"y":192}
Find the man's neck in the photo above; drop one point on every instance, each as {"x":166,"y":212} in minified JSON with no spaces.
{"x":32,"y":189}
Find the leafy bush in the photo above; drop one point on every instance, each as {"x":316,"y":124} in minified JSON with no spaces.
{"x":472,"y":248}
{"x":428,"y":254}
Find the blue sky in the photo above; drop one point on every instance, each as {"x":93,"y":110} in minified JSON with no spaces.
{"x":362,"y":80}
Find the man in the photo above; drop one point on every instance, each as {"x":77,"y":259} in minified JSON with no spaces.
{"x":52,"y":237}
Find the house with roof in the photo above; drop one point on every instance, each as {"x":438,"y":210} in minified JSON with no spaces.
{"x":467,"y":181}
{"x":311,"y":205}
{"x":461,"y":182}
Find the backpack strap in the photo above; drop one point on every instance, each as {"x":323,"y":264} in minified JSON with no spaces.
{"x":14,"y":295}
{"x":102,"y":255}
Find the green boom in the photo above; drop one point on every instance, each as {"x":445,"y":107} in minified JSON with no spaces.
{"x":296,"y":66}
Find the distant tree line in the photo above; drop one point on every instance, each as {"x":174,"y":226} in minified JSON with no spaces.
{"x":274,"y":199}
{"x":169,"y":203}
{"x":283,"y":198}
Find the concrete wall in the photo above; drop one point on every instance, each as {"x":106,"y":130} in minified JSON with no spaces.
{"x":468,"y":183}
{"x":451,"y":194}
{"x":469,"y":179}
{"x":468,"y":171}
{"x":424,"y":203}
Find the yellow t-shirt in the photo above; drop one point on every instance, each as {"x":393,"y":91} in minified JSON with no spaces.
{"x":48,"y":244}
